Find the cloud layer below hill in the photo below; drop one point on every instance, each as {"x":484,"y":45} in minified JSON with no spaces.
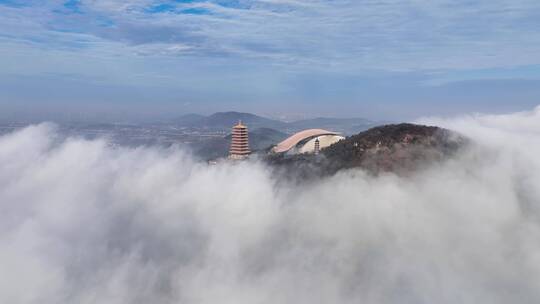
{"x":81,"y":222}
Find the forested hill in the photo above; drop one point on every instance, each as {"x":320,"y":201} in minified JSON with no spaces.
{"x":398,"y":148}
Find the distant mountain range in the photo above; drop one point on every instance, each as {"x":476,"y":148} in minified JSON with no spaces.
{"x":225,"y":120}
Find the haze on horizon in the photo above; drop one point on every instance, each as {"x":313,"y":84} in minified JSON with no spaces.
{"x":391,"y":60}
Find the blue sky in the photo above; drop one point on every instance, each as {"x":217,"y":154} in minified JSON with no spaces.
{"x":376,"y":59}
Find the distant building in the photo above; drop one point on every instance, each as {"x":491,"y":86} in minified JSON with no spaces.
{"x":307,"y":141}
{"x":317,"y":146}
{"x":239,"y":142}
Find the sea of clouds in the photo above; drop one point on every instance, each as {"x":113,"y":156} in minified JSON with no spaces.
{"x":83,"y":222}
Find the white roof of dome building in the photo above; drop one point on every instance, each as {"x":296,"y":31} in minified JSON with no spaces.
{"x":306,"y":140}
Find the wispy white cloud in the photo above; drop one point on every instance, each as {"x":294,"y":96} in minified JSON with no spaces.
{"x":280,"y":42}
{"x":390,"y":35}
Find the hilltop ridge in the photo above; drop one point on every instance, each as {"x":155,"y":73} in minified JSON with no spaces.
{"x":399,"y":148}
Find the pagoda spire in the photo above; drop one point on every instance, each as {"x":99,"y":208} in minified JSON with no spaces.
{"x":239,"y":143}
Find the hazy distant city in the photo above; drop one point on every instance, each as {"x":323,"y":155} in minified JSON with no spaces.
{"x":205,"y":136}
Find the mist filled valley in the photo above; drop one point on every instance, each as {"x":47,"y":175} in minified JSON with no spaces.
{"x":83,"y":221}
{"x":269,"y":152}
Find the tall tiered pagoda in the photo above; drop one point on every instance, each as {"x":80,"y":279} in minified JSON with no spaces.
{"x":239,"y":143}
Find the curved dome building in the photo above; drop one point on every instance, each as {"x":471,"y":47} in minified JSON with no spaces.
{"x":305,"y":141}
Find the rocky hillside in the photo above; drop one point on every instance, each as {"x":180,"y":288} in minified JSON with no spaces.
{"x":399,"y":148}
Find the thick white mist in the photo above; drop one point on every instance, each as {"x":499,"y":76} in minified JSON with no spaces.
{"x":81,"y":222}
